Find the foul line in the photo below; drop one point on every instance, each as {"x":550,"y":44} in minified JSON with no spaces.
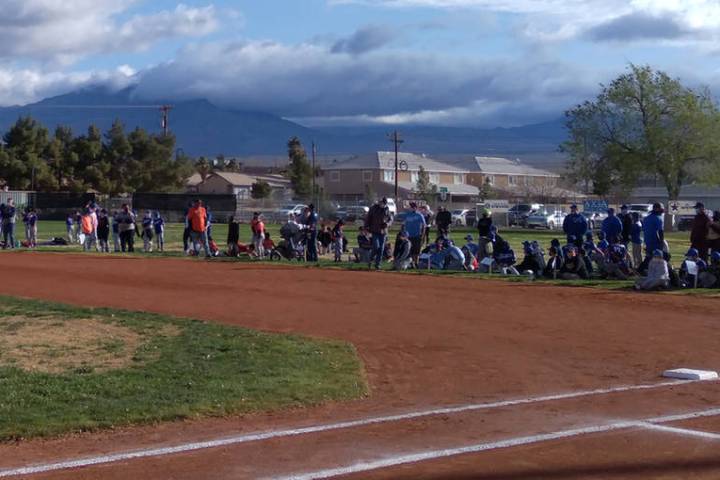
{"x":256,"y":437}
{"x":507,"y":443}
{"x":682,"y":431}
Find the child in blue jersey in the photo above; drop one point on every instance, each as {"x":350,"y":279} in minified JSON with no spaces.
{"x":69,"y":223}
{"x":115,"y":232}
{"x":338,"y":239}
{"x":159,"y":226}
{"x":31,"y":219}
{"x":688,"y":278}
{"x":636,"y":240}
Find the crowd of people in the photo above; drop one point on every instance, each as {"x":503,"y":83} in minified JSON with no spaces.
{"x":626,"y":246}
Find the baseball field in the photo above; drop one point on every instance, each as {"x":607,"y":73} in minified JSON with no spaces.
{"x":120,"y":367}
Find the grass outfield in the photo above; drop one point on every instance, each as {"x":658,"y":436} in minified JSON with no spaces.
{"x":67,"y":369}
{"x":679,"y":241}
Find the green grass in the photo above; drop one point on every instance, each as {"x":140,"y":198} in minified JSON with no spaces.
{"x":202,"y":370}
{"x":678,"y":242}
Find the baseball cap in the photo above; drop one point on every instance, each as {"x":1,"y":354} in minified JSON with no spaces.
{"x":699,"y":205}
{"x":624,"y":207}
{"x":692,"y":253}
{"x":573,"y":207}
{"x":469,"y":238}
{"x":657,"y":253}
{"x":611,"y":211}
{"x":715,"y":255}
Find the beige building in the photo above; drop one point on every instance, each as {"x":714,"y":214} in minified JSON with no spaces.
{"x":238,"y":184}
{"x":350,"y":180}
{"x":508,"y":175}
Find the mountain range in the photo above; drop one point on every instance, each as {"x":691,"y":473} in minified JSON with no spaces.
{"x":202,"y":128}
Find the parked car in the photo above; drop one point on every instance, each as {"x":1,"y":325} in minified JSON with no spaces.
{"x":459,"y":217}
{"x":544,"y":219}
{"x":471,"y":218}
{"x":594,"y":219}
{"x":354,"y":213}
{"x":284,"y":212}
{"x":643,"y":209}
{"x":519,"y":213}
{"x":400,"y":218}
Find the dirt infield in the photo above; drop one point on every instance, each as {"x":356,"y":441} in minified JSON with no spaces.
{"x":426,"y":342}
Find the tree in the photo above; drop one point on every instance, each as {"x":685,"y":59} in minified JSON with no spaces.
{"x":299,"y":171}
{"x":425,"y":190}
{"x":260,"y":189}
{"x":644,"y":123}
{"x":203,"y":167}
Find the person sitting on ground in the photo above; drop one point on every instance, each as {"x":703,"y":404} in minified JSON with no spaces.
{"x":616,"y":265}
{"x":505,"y":258}
{"x":403,"y":257}
{"x":571,"y":242}
{"x":587,"y":252}
{"x":233,"y":238}
{"x":612,"y":227}
{"x":268,"y":244}
{"x":710,"y":278}
{"x":364,"y":250}
{"x":658,"y":273}
{"x":554,"y":264}
{"x":454,"y":257}
{"x":555,"y":243}
{"x":432,"y":256}
{"x":530,"y":264}
{"x":574,"y":267}
{"x":691,"y":268}
{"x":471,"y":251}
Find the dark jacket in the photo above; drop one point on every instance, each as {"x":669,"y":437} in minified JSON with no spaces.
{"x":575,"y":266}
{"x":378,"y":219}
{"x":554,"y":264}
{"x":233,"y":233}
{"x":700,"y":226}
{"x":483,"y":226}
{"x":443,"y":219}
{"x":627,"y":225}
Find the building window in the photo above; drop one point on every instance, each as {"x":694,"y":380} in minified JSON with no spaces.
{"x":490,"y":179}
{"x":414,"y":177}
{"x":335,"y":176}
{"x":458,"y":179}
{"x":367,"y":176}
{"x":511,"y":180}
{"x":434,"y":178}
{"x":389,"y":175}
{"x":527,"y":181}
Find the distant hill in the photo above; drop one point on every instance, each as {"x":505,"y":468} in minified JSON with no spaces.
{"x":202,"y":128}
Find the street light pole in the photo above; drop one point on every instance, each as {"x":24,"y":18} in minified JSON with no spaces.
{"x":314,"y":154}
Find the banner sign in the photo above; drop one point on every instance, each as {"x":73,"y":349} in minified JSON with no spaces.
{"x":595,"y":206}
{"x":682,"y":207}
{"x":496,"y":206}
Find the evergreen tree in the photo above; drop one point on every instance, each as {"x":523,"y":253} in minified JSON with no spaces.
{"x":299,"y":171}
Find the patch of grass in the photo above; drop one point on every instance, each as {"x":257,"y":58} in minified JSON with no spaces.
{"x":201,"y":369}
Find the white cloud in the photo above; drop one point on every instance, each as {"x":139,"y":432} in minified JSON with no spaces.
{"x":563,"y":19}
{"x":63,"y":31}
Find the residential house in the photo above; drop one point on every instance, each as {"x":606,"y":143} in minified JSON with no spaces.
{"x":240,"y":184}
{"x":353,"y":179}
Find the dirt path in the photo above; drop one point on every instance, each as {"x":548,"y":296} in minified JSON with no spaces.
{"x":426,"y":341}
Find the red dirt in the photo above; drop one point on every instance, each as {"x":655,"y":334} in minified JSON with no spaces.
{"x":426,"y":341}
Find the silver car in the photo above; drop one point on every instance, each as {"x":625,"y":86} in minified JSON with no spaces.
{"x":545,"y":219}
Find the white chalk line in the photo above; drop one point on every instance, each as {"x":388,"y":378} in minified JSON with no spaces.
{"x":361,"y":467}
{"x":681,"y":431}
{"x":256,"y":437}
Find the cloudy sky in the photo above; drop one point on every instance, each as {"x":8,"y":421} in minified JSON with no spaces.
{"x":320,"y":62}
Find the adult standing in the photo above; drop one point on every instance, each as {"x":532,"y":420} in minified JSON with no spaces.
{"x":575,"y":225}
{"x":653,"y":231}
{"x":377,"y":222}
{"x":197,"y":219}
{"x":484,"y":223}
{"x":443,"y":220}
{"x":310,"y":221}
{"x":714,"y":233}
{"x":257,"y":228}
{"x":612,"y":227}
{"x":427,"y":214}
{"x":8,"y":215}
{"x":126,"y":228}
{"x":636,"y":239}
{"x":415,"y":229}
{"x":627,"y":224}
{"x":699,"y":232}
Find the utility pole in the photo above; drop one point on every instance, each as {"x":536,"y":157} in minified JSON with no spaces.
{"x":165,"y":122}
{"x":314,"y":154}
{"x":395,"y":138}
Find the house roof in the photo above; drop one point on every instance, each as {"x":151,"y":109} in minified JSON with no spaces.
{"x":690,"y":192}
{"x":505,"y":166}
{"x":386,"y":161}
{"x":243,"y":180}
{"x":453,"y":189}
{"x":194,"y":180}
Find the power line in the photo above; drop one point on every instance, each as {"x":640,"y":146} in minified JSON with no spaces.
{"x":395,"y":139}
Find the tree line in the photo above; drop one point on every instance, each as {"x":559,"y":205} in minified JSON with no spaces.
{"x":644,"y":125}
{"x":113,"y":162}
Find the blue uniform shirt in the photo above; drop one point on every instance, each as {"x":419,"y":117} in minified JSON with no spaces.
{"x":575,"y":224}
{"x":612,"y":227}
{"x":414,"y":224}
{"x":653,"y":232}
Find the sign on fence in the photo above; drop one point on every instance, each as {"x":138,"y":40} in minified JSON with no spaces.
{"x":595,"y":206}
{"x":683,"y":208}
{"x":497,"y":206}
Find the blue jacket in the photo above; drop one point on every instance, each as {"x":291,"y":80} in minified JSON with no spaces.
{"x":653,"y":232}
{"x":575,"y":224}
{"x":414,"y":224}
{"x":612,"y":228}
{"x":636,"y":233}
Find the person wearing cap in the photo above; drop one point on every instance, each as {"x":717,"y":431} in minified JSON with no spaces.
{"x":377,"y":222}
{"x":310,"y":220}
{"x":612,"y":227}
{"x":574,"y":266}
{"x":699,"y":231}
{"x":692,"y":260}
{"x":402,"y":258}
{"x":627,"y":224}
{"x":653,"y":231}
{"x":415,"y":227}
{"x":575,"y":225}
{"x":484,"y":223}
{"x":658,"y":274}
